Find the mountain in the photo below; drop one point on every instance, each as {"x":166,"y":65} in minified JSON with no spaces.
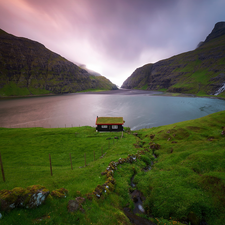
{"x":29,"y":68}
{"x":201,"y":71}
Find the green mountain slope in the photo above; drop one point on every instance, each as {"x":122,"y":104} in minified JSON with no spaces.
{"x":28,"y":68}
{"x":201,"y":71}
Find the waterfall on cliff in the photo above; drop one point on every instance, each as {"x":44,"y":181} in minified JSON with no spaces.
{"x":220,"y":90}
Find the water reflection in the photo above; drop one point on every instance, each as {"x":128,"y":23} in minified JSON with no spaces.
{"x":139,"y":111}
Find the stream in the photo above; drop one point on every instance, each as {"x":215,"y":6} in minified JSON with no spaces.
{"x":138,"y":199}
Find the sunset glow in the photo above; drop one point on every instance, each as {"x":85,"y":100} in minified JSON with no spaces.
{"x":94,"y":67}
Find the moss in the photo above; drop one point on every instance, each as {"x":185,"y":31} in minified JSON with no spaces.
{"x":35,"y":188}
{"x":215,"y":186}
{"x":18,"y":196}
{"x":12,"y":195}
{"x":89,"y":196}
{"x":59,"y":193}
{"x":145,"y":159}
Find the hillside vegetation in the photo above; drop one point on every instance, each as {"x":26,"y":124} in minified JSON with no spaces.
{"x":200,"y":72}
{"x":186,"y":181}
{"x":28,"y":68}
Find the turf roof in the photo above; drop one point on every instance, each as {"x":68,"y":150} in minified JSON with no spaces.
{"x":109,"y":120}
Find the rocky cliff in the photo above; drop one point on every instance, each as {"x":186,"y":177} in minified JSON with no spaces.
{"x":201,"y":71}
{"x":28,"y":68}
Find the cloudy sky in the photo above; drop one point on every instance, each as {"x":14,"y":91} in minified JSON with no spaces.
{"x":113,"y":37}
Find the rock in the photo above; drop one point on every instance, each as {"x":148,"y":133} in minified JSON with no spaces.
{"x":152,"y":136}
{"x":80,"y":200}
{"x":203,"y":223}
{"x":73,"y":206}
{"x":37,"y":199}
{"x":155,"y":146}
{"x":0,"y":215}
{"x":59,"y":193}
{"x":223,"y":132}
{"x":136,"y":145}
{"x":193,"y":218}
{"x":18,"y":197}
{"x":210,"y":138}
{"x":134,"y":219}
{"x":89,"y":196}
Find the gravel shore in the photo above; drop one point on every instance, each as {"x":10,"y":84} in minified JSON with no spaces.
{"x":125,"y":92}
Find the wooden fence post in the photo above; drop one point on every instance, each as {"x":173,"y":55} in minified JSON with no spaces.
{"x":71,"y":162}
{"x":85,"y":159}
{"x":3,"y":174}
{"x":50,"y":161}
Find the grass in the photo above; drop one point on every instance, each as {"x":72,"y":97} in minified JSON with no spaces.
{"x":186,"y":182}
{"x":11,"y":89}
{"x":110,"y":120}
{"x":93,"y":90}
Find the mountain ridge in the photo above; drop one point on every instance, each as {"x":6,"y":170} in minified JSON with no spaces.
{"x":27,"y":67}
{"x":200,"y":71}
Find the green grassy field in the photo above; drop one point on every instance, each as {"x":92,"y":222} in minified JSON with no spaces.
{"x":186,"y":182}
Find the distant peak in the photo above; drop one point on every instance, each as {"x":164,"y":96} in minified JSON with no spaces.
{"x":218,"y":30}
{"x":219,"y":25}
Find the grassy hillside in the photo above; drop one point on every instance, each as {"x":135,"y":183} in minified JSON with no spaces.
{"x":186,"y":182}
{"x":29,"y":68}
{"x":199,"y":72}
{"x":203,"y":71}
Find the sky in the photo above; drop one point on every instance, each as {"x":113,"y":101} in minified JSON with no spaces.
{"x":113,"y":37}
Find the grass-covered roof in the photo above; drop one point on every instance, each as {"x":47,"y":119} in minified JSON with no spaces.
{"x":109,"y":120}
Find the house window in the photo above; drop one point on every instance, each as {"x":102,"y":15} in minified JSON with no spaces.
{"x":104,"y":126}
{"x":114,"y":126}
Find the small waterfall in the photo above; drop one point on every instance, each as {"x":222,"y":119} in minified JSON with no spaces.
{"x":220,"y":90}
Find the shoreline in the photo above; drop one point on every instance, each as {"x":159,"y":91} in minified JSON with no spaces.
{"x":116,"y":92}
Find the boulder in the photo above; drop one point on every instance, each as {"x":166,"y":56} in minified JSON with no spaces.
{"x":74,"y":205}
{"x":18,"y":197}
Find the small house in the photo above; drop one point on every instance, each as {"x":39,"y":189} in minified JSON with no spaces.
{"x":109,"y":124}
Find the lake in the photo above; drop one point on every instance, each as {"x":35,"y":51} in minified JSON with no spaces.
{"x":140,"y":109}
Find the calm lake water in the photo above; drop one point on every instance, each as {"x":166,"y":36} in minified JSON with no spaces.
{"x":139,"y":111}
